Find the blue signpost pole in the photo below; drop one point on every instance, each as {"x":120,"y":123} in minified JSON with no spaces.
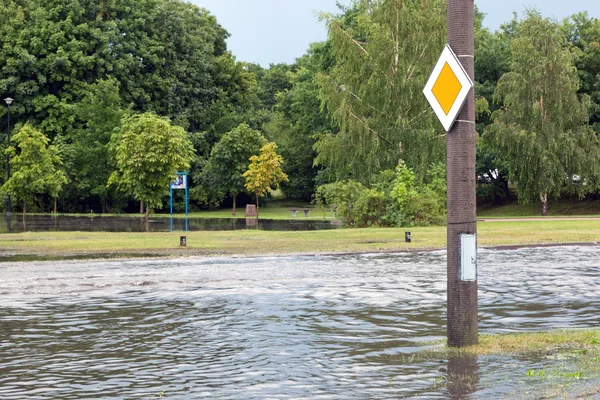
{"x":181,"y":183}
{"x":186,"y":202}
{"x":186,"y":195}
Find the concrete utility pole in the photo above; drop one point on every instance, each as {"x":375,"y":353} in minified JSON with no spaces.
{"x":462,"y":226}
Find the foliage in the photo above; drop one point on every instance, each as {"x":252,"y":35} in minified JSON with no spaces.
{"x":229,"y":159}
{"x":583,"y":33}
{"x":394,"y":199}
{"x":147,"y":153}
{"x":69,"y":61}
{"x":35,"y":167}
{"x":384,"y":52}
{"x":264,"y":171}
{"x":164,"y":54}
{"x":492,"y":60}
{"x":273,"y":81}
{"x":298,"y":120}
{"x":85,"y":146}
{"x":542,"y":133}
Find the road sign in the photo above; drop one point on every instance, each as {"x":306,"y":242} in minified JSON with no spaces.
{"x":448,"y":88}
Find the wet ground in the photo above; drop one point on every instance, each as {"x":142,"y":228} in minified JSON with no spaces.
{"x":45,"y":223}
{"x":290,"y":327}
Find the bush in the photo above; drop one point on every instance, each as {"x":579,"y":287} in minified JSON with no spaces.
{"x":393,"y":200}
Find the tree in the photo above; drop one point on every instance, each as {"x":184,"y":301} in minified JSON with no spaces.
{"x":298,"y":120}
{"x":35,"y":167}
{"x":384,"y":52}
{"x":147,"y":153}
{"x":229,"y":159}
{"x":165,"y":54}
{"x":583,"y":33}
{"x":541,"y":133}
{"x":264,"y":172}
{"x":85,"y":146}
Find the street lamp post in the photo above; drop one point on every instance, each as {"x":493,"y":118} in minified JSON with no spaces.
{"x":8,"y":101}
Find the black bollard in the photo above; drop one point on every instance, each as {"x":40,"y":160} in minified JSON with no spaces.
{"x":407,"y":237}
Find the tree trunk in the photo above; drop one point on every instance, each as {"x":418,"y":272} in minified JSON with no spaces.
{"x":55,"y":200}
{"x":147,"y":218}
{"x":257,"y":206}
{"x":544,"y":199}
{"x":234,"y":205}
{"x":141,"y":207}
{"x":506,"y":188}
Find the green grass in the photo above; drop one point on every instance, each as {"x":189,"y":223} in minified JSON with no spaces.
{"x":257,"y":242}
{"x":280,"y":209}
{"x":574,"y":356}
{"x":573,"y":343}
{"x":558,"y":208}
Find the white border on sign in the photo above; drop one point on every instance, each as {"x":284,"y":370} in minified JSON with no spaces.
{"x":449,"y":57}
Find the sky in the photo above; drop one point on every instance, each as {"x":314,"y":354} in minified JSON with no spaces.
{"x":279,"y":31}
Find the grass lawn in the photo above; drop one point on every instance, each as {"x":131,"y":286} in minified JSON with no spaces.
{"x":280,"y":209}
{"x":257,"y":242}
{"x":557,"y":208}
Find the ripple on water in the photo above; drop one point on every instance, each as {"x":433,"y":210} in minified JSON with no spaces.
{"x":291,"y":327}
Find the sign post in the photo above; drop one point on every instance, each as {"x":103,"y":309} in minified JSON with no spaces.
{"x":450,"y":93}
{"x":178,"y":184}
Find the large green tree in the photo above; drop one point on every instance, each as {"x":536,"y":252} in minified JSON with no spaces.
{"x":298,"y":120}
{"x":35,"y":167}
{"x":583,"y":32}
{"x":229,"y":159}
{"x":384,"y":51}
{"x":147,"y":152}
{"x":166,"y":54}
{"x":541,"y":133}
{"x":85,"y":147}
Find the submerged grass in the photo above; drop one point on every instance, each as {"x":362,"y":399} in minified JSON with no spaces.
{"x":258,"y":242}
{"x":571,"y":356}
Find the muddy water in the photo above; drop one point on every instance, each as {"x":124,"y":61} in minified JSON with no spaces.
{"x":44,"y":223}
{"x":296,"y":327}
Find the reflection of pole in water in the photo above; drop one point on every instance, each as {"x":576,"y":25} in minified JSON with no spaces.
{"x":463,"y":375}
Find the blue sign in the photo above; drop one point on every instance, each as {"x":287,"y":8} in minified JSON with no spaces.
{"x":180,"y":183}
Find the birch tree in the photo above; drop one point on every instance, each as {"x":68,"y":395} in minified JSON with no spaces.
{"x":384,"y":52}
{"x":541,"y":132}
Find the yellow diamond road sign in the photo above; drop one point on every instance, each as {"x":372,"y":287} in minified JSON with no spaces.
{"x":448,"y":88}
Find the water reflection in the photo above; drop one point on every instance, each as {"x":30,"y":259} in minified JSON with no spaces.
{"x":462,"y":375}
{"x":42,"y":223}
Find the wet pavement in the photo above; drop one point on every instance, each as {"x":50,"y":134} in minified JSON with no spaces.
{"x":281,"y":327}
{"x":45,"y":223}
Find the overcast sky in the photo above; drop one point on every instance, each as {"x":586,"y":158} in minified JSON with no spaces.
{"x":275,"y":31}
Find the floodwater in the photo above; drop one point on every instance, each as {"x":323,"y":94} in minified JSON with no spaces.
{"x":291,"y":327}
{"x":44,"y":223}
